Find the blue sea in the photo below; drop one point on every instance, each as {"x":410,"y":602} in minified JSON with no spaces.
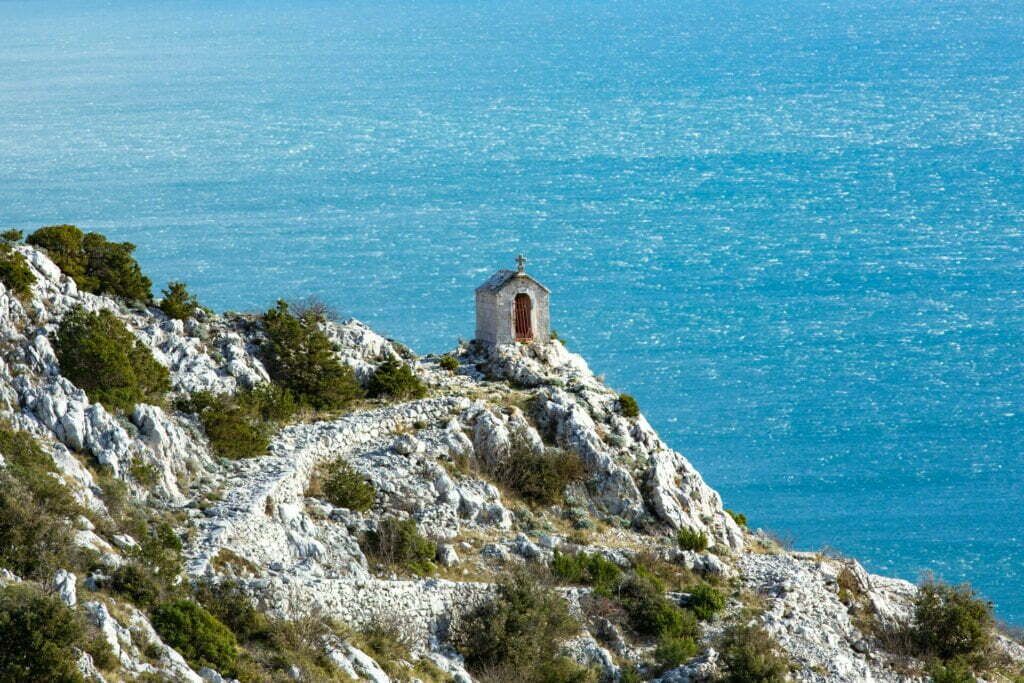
{"x":793,"y":230}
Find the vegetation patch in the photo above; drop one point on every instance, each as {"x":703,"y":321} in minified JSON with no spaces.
{"x":342,"y":486}
{"x":240,"y":425}
{"x":199,"y":636}
{"x":690,"y":539}
{"x":177,"y":302}
{"x":951,"y":622}
{"x":17,"y":277}
{"x":516,"y":635}
{"x":94,"y":263}
{"x":706,"y":601}
{"x":98,"y":353}
{"x":448,"y":362}
{"x":653,"y":614}
{"x":628,"y":406}
{"x":738,"y":517}
{"x":588,"y":570}
{"x":42,"y":637}
{"x":298,"y":355}
{"x":538,"y":478}
{"x":748,"y":653}
{"x":396,"y":380}
{"x":398,"y":543}
{"x":673,"y":651}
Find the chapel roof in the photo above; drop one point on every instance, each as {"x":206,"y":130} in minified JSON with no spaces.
{"x":501,"y":278}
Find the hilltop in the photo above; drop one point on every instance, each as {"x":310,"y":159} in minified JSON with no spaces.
{"x":291,"y":496}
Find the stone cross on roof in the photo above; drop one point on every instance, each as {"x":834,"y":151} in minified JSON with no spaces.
{"x":521,"y":263}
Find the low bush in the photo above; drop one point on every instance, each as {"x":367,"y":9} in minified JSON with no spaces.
{"x":673,"y":651}
{"x":344,"y":487}
{"x":690,"y":539}
{"x":628,"y":406}
{"x":449,"y":363}
{"x":299,"y":356}
{"x":950,"y":622}
{"x":42,"y":638}
{"x":955,"y":671}
{"x":17,"y":277}
{"x":706,"y":601}
{"x":227,"y":602}
{"x":516,"y":635}
{"x":539,"y":478}
{"x":196,"y":634}
{"x":738,"y":517}
{"x":651,"y":613}
{"x":397,"y":381}
{"x":135,"y":583}
{"x":161,"y":550}
{"x":96,"y":264}
{"x":177,"y":302}
{"x":588,"y":570}
{"x":240,"y":425}
{"x":98,"y":353}
{"x":12,"y":236}
{"x":748,"y":653}
{"x":398,"y":543}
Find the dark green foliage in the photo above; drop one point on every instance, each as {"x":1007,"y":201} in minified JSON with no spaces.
{"x":690,"y":539}
{"x":449,"y":363}
{"x":516,"y":636}
{"x":539,"y":478}
{"x":706,"y":601}
{"x":160,"y":550}
{"x":950,"y":621}
{"x":35,"y":536}
{"x":99,"y":354}
{"x":955,"y":671}
{"x":344,"y":487}
{"x":588,"y":570}
{"x":177,"y":302}
{"x":136,"y":583}
{"x":196,"y":634}
{"x":299,"y":356}
{"x":397,"y":542}
{"x":738,"y":517}
{"x":11,"y":236}
{"x":673,"y":651}
{"x":95,"y":264}
{"x":226,"y":601}
{"x":651,"y":613}
{"x":14,"y":272}
{"x":240,"y":425}
{"x":628,"y":406}
{"x":397,"y":381}
{"x":749,"y":655}
{"x":41,"y":637}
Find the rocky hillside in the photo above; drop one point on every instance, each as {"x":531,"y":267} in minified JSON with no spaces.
{"x":490,"y":515}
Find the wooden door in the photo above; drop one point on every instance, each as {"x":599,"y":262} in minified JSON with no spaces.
{"x":523,"y":317}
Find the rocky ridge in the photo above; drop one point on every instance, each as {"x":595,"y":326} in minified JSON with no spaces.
{"x":255,"y":522}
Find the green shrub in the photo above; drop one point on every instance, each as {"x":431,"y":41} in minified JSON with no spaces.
{"x":299,"y":356}
{"x":738,"y":517}
{"x":955,"y":671}
{"x":11,"y":236}
{"x":690,"y":539}
{"x":196,"y":634}
{"x":95,"y":264}
{"x":15,"y":273}
{"x":344,"y":487}
{"x":397,"y":542}
{"x":396,"y":380}
{"x":628,"y":406}
{"x":160,"y":550}
{"x":950,"y":621}
{"x":177,"y":302}
{"x":449,"y":363}
{"x":98,"y":353}
{"x":748,"y":654}
{"x":589,"y":570}
{"x":706,"y":601}
{"x":227,"y":602}
{"x":41,"y":638}
{"x":135,"y":583}
{"x":516,"y":635}
{"x":240,"y":425}
{"x":539,"y":478}
{"x":651,"y":613}
{"x":673,"y":651}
